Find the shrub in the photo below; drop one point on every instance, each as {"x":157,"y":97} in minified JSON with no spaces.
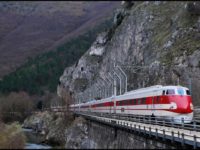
{"x":11,"y":136}
{"x":15,"y":106}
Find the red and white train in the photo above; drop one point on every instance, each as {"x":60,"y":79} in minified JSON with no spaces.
{"x":164,"y":102}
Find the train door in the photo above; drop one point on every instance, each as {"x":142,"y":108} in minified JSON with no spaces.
{"x":153,"y":106}
{"x":110,"y":107}
{"x":90,"y":107}
{"x":114,"y":105}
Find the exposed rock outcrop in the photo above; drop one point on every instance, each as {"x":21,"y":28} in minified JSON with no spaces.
{"x":83,"y":134}
{"x":193,"y":8}
{"x":49,"y":125}
{"x":162,"y":37}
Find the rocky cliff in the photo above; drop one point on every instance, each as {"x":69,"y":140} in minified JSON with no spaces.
{"x":48,"y":126}
{"x":161,"y":37}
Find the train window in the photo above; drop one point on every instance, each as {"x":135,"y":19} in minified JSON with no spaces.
{"x":170,"y":92}
{"x":139,"y":101}
{"x":187,"y":92}
{"x":157,"y":99}
{"x":180,"y":91}
{"x":144,"y":100}
{"x":130,"y":102}
{"x":163,"y":93}
{"x":135,"y":101}
{"x":126,"y":102}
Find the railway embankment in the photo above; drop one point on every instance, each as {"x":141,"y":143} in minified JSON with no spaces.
{"x":85,"y":134}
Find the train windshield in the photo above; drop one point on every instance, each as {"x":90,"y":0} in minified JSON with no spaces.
{"x":180,"y":91}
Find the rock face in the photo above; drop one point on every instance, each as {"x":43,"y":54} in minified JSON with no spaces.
{"x":83,"y":134}
{"x":97,"y":49}
{"x":50,"y":126}
{"x":162,"y":37}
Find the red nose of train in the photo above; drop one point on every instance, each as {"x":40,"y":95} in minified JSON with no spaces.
{"x":184,"y":104}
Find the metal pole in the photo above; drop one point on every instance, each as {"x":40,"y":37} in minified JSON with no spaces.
{"x":100,"y":93}
{"x":190,"y":86}
{"x":114,"y":85}
{"x":102,"y":89}
{"x":110,"y":93}
{"x":108,"y":85}
{"x":120,"y":84}
{"x":79,"y":104}
{"x":85,"y":96}
{"x":89,"y":94}
{"x":124,"y":75}
{"x":95,"y":92}
{"x":104,"y":86}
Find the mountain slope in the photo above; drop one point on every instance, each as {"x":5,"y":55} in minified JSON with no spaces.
{"x":41,"y":74}
{"x":31,"y":28}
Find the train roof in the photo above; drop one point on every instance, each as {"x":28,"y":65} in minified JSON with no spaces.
{"x":138,"y":91}
{"x":144,"y":89}
{"x":174,"y":87}
{"x":156,"y":87}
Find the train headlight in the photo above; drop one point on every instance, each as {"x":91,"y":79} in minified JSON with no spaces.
{"x":173,"y":105}
{"x":191,"y":106}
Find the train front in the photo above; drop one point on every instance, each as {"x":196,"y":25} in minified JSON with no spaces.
{"x":181,"y":102}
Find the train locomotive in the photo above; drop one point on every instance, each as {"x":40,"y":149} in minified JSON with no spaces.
{"x":163,"y":102}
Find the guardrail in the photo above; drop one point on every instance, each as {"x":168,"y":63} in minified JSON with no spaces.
{"x":190,"y":136}
{"x":155,"y":128}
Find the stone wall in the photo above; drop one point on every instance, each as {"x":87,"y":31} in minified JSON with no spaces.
{"x":84,"y":134}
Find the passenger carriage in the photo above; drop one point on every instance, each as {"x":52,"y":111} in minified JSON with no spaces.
{"x":163,"y":102}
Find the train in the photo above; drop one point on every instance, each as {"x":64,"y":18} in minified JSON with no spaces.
{"x":161,"y":102}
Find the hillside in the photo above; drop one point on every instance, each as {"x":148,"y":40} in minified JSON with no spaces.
{"x":42,"y":73}
{"x":31,"y":28}
{"x":154,"y":42}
